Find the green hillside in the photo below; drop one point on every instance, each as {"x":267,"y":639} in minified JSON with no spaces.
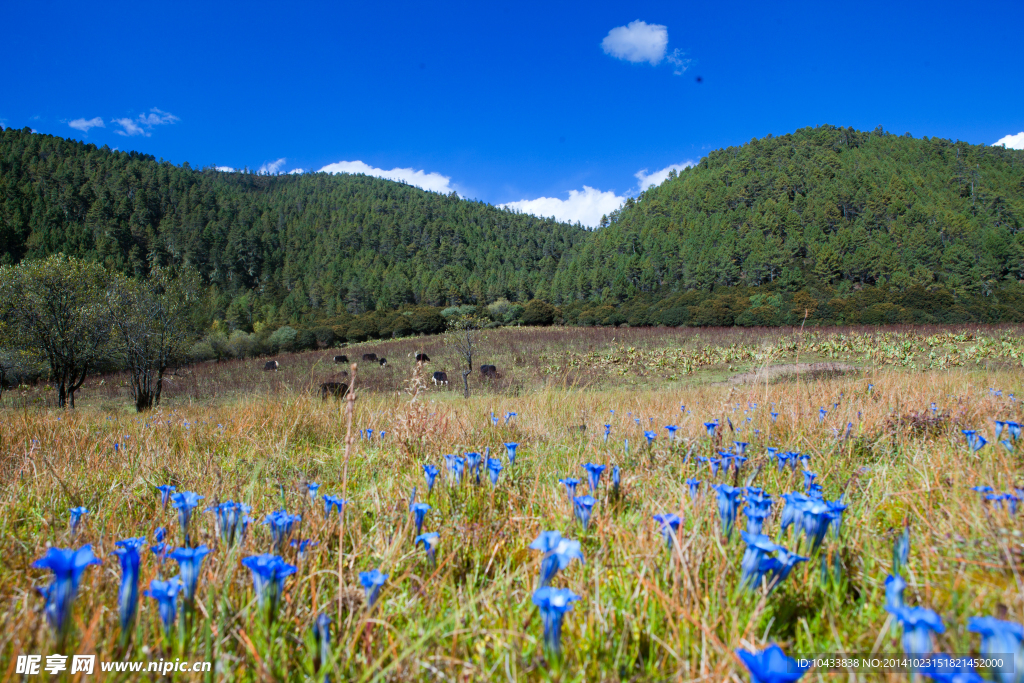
{"x":838,"y":225}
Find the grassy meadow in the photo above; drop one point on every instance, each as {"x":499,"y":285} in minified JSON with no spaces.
{"x":647,"y":611}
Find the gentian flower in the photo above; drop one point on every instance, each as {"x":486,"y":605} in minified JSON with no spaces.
{"x":473,"y":464}
{"x":669,"y":523}
{"x":494,"y":469}
{"x":1007,"y":444}
{"x":809,"y":478}
{"x":127,"y":552}
{"x":999,"y":427}
{"x":420,"y":511}
{"x":1001,"y":638}
{"x":189,"y":560}
{"x":1014,"y":429}
{"x":553,"y":604}
{"x":694,"y":487}
{"x":76,"y":516}
{"x":836,"y":509}
{"x":982,"y":489}
{"x":918,"y":624}
{"x":741,"y":447}
{"x":607,"y":431}
{"x":570,"y":486}
{"x":771,"y":665}
{"x":728,"y":498}
{"x":312,"y":488}
{"x":583,"y":505}
{"x":166,"y":595}
{"x":268,"y":574}
{"x":160,"y":549}
{"x":332,"y":501}
{"x":711,"y":427}
{"x":67,"y":567}
{"x":185,"y":501}
{"x":593,"y":475}
{"x":793,"y":512}
{"x":456,"y":466}
{"x":775,"y":416}
{"x":281,"y":524}
{"x":758,"y":548}
{"x":372,"y":581}
{"x":625,"y":447}
{"x":322,"y":634}
{"x":430,"y":472}
{"x":302,"y":545}
{"x":230,"y":518}
{"x":509,"y":416}
{"x":429,"y":541}
{"x":783,"y":565}
{"x":755,"y":519}
{"x":651,"y":436}
{"x":616,"y":480}
{"x":821,"y":414}
{"x":901,"y":550}
{"x":894,"y":586}
{"x":165,"y":494}
{"x":714,"y":463}
{"x":816,"y":519}
{"x":511,"y":449}
{"x":558,"y":554}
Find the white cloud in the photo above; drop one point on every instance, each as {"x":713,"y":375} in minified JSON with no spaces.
{"x":1012,"y":141}
{"x":85,"y":124}
{"x":587,"y":206}
{"x":272,"y":167}
{"x":130,"y":128}
{"x":226,"y":169}
{"x":637,"y":42}
{"x":658,"y":177}
{"x":144,"y":124}
{"x":297,"y":170}
{"x":434,"y":182}
{"x":680,"y":63}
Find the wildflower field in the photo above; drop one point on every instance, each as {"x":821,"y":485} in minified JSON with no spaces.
{"x":614,"y":507}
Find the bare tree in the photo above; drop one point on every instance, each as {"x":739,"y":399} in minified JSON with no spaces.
{"x":153,"y":328}
{"x":53,"y":308}
{"x":464,"y":337}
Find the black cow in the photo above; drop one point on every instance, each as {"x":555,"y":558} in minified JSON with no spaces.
{"x":440,"y":378}
{"x":336,"y":389}
{"x":270,"y":365}
{"x":422,"y":358}
{"x":382,"y":361}
{"x":489,"y":371}
{"x":341,"y":359}
{"x":369,"y":357}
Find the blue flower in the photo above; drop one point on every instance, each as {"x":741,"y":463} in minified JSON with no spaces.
{"x":816,"y":520}
{"x":775,"y":416}
{"x":759,"y":547}
{"x":669,"y":523}
{"x":836,"y":509}
{"x":999,"y":427}
{"x":372,"y":581}
{"x":1001,"y":638}
{"x":582,"y":506}
{"x":975,"y":441}
{"x":918,"y":624}
{"x":268,"y":574}
{"x":322,"y":634}
{"x":76,"y":516}
{"x":570,"y":486}
{"x":558,"y":553}
{"x":494,"y":468}
{"x":711,"y":427}
{"x":511,"y":449}
{"x":755,"y":519}
{"x":165,"y":494}
{"x":281,"y":524}
{"x":901,"y":550}
{"x":231,"y":521}
{"x":127,"y":552}
{"x":607,"y":431}
{"x":793,"y":512}
{"x":651,"y":436}
{"x":740,"y":447}
{"x":982,"y":489}
{"x":166,"y":595}
{"x":185,"y":502}
{"x":473,"y":463}
{"x":456,"y":466}
{"x":430,"y":472}
{"x":809,"y":478}
{"x":616,"y":480}
{"x":553,"y":604}
{"x":420,"y":510}
{"x":189,"y":560}
{"x":312,"y":488}
{"x":771,"y":665}
{"x":759,"y":500}
{"x":1007,"y":444}
{"x":1014,"y":429}
{"x":161,"y":548}
{"x":67,"y":567}
{"x":782,"y":565}
{"x":509,"y":416}
{"x":694,"y":487}
{"x":821,"y":414}
{"x":894,"y":586}
{"x":728,"y":499}
{"x":302,"y":545}
{"x":332,"y":501}
{"x":429,"y":541}
{"x":593,"y":475}
{"x":713,"y":463}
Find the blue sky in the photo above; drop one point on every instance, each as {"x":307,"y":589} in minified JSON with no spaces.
{"x":579,"y":103}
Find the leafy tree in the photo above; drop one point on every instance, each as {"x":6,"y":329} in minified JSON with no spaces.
{"x":537,"y":312}
{"x":54,"y":308}
{"x":464,"y":337}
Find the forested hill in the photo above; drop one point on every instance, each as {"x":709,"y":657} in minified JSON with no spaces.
{"x":826,"y":210}
{"x":836,"y":224}
{"x":311,"y":245}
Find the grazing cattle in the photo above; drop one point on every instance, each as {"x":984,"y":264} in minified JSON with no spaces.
{"x":369,"y":357}
{"x":336,"y":389}
{"x":489,"y":371}
{"x":270,"y":365}
{"x":440,"y":378}
{"x":382,"y":361}
{"x":341,"y":359}
{"x":422,"y":358}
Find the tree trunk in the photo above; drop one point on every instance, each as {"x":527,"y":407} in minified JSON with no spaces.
{"x":465,"y":382}
{"x":159,"y":385}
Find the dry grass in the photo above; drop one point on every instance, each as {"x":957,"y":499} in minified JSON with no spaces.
{"x":644,"y":614}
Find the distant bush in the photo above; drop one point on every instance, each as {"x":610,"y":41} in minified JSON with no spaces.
{"x":426,"y":320}
{"x":538,"y":312}
{"x":305,"y":340}
{"x":283,"y":339}
{"x":325,"y":337}
{"x":242,"y":344}
{"x":462,"y":311}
